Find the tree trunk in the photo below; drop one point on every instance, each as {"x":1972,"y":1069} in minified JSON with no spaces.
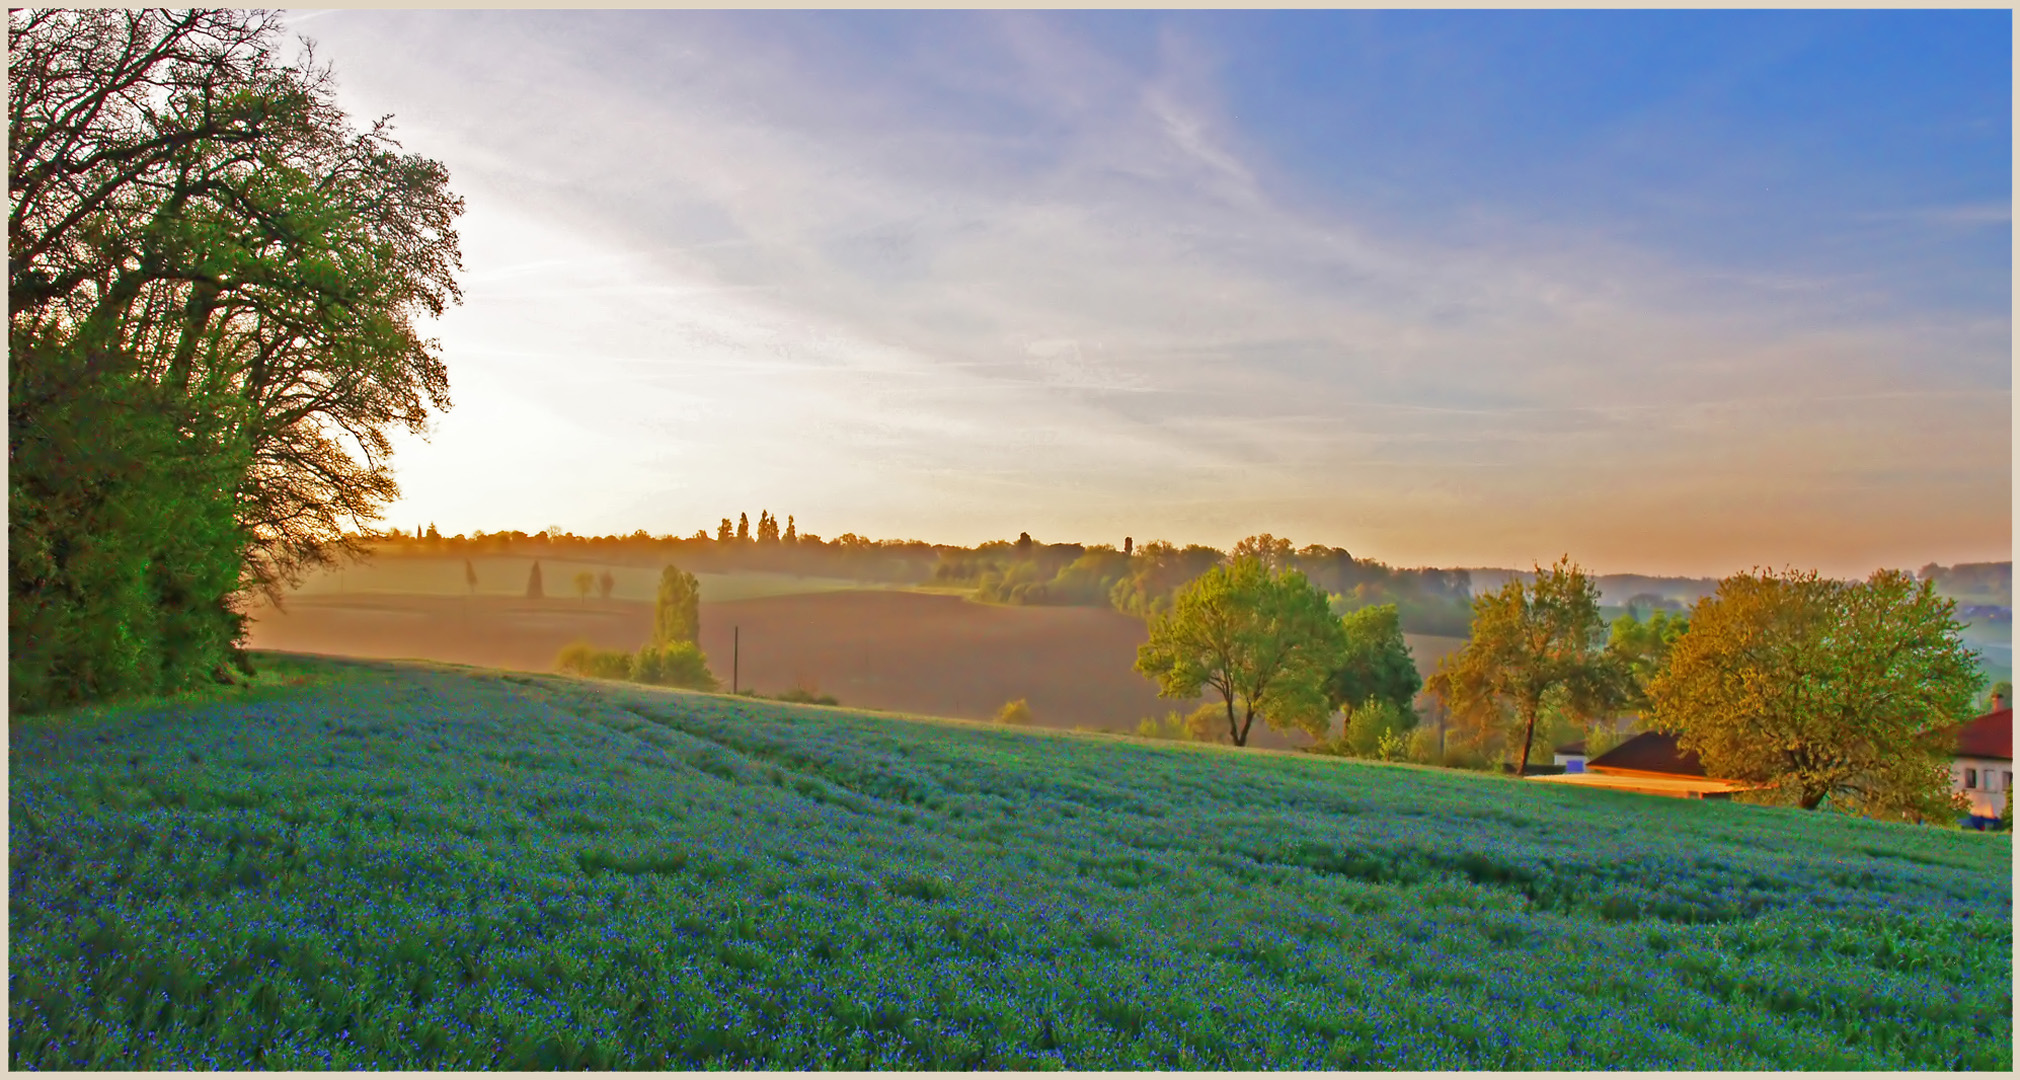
{"x":1234,"y":731}
{"x":1528,"y":736}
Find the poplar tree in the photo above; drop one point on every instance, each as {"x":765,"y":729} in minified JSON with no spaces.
{"x":676,"y":611}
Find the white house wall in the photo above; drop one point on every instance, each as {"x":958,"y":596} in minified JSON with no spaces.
{"x":1986,"y":801}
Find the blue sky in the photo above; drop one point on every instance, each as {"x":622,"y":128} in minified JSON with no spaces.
{"x":1670,"y":292}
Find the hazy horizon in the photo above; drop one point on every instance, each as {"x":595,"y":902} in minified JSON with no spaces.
{"x":1676,"y":293}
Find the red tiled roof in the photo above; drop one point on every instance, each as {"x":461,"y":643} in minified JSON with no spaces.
{"x":1989,"y":736}
{"x":1649,"y":752}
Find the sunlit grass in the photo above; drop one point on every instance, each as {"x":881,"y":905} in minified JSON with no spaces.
{"x":422,"y":867}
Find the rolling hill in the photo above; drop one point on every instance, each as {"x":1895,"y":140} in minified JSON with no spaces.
{"x":369,"y":864}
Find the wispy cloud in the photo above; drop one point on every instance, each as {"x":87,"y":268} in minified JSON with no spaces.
{"x":1047,"y":287}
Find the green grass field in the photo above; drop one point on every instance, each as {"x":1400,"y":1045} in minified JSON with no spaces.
{"x":414,"y":866}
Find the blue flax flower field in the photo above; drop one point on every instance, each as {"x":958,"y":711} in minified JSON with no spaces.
{"x":423,"y":867}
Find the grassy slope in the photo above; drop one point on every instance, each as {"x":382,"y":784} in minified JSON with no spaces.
{"x":427,"y":867}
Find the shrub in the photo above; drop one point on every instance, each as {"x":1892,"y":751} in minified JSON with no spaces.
{"x":1425,"y":748}
{"x":582,"y":658}
{"x":123,"y":548}
{"x":1014,"y":712}
{"x":1206,"y":724}
{"x":1374,"y":719}
{"x":679,"y":663}
{"x":801,"y":696}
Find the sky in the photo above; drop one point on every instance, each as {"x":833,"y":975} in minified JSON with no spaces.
{"x":1674,"y":293}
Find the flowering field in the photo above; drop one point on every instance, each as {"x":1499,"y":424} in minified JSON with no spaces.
{"x":418,"y":867}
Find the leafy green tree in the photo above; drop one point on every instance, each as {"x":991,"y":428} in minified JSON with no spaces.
{"x":534,"y":589}
{"x":177,"y":191}
{"x":1375,"y":663}
{"x":1528,"y":642}
{"x":1015,"y":712}
{"x":1640,"y":650}
{"x":604,"y":584}
{"x":768,"y":528}
{"x":676,"y":611}
{"x":723,"y":532}
{"x":1264,"y":640}
{"x":123,"y":544}
{"x":197,"y":233}
{"x":470,"y":576}
{"x":792,"y":532}
{"x":585,"y":582}
{"x":1822,"y":689}
{"x":2002,"y":691}
{"x":743,"y":528}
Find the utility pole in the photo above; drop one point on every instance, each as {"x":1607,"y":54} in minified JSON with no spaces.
{"x":735,"y":655}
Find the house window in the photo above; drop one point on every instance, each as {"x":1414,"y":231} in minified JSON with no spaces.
{"x":2007,"y":779}
{"x":1970,"y":779}
{"x":1991,"y":780}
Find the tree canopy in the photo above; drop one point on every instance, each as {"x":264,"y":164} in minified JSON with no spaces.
{"x":1641,"y":650}
{"x":1264,"y":640}
{"x":214,"y":280}
{"x":1821,"y":689}
{"x":1375,"y":663}
{"x":1530,"y":643}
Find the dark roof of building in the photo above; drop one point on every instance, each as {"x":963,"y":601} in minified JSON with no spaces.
{"x":1989,"y":736}
{"x":1650,"y":752}
{"x":1577,"y":748}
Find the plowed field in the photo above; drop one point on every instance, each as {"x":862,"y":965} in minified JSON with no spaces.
{"x":877,"y":649}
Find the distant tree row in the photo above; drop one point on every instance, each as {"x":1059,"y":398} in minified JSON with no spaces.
{"x":1972,"y":582}
{"x":1141,"y":581}
{"x":1136,"y":580}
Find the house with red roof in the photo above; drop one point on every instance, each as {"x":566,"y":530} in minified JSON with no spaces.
{"x":1983,"y":770}
{"x":1650,"y":763}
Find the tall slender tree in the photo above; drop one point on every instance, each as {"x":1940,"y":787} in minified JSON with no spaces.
{"x":676,"y":611}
